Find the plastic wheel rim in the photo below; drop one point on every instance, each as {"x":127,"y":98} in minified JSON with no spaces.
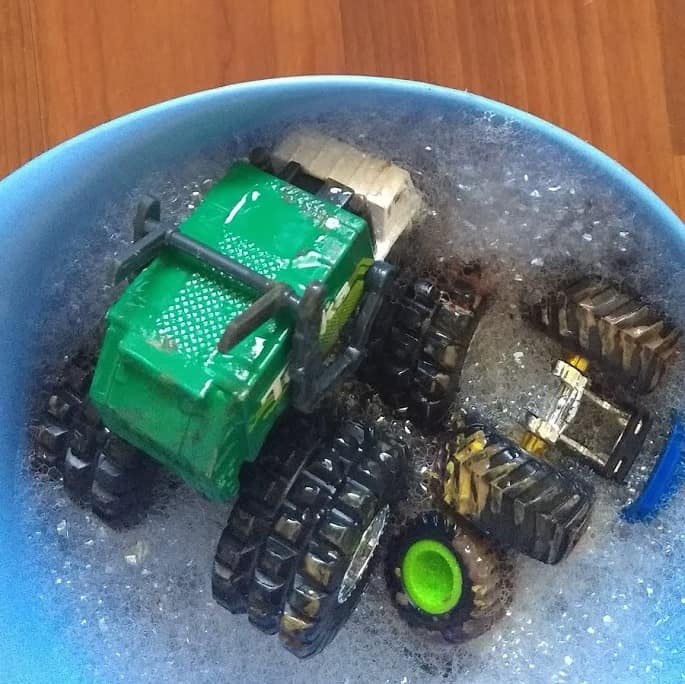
{"x":362,"y":555}
{"x":432,"y":576}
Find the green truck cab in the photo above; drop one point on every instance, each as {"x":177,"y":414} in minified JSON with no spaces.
{"x":162,"y":384}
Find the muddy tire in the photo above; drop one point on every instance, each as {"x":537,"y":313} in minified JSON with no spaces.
{"x":293,"y":526}
{"x":334,"y":564}
{"x":520,"y":501}
{"x":97,"y":468}
{"x":67,"y":414}
{"x":122,"y":482}
{"x":264,"y":484}
{"x":87,"y":439}
{"x":418,"y":348}
{"x":287,"y":524}
{"x":615,"y":329}
{"x":460,"y":607}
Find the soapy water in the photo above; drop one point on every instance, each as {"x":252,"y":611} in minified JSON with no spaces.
{"x":139,"y":599}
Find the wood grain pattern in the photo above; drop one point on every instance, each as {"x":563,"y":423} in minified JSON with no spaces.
{"x":610,"y":71}
{"x":21,"y":136}
{"x":672,"y":34}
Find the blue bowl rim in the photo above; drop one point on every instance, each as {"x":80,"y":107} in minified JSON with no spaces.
{"x":632,"y":185}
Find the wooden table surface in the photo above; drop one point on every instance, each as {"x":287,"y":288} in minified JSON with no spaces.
{"x":610,"y":71}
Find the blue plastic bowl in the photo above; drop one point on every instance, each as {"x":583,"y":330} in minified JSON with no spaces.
{"x":58,"y":194}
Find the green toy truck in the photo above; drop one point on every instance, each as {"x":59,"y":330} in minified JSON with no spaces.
{"x":231,"y":330}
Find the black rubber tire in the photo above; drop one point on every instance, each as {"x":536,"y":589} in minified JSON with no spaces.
{"x":122,"y":482}
{"x":264,"y":485}
{"x":487,"y":578}
{"x":285,"y":503}
{"x":303,"y":504}
{"x":522,"y":502}
{"x":345,"y":537}
{"x":614,"y":328}
{"x":96,"y":467}
{"x":418,"y":347}
{"x":87,"y":438}
{"x":67,"y":414}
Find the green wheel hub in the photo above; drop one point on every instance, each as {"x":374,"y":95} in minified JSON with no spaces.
{"x":432,"y":576}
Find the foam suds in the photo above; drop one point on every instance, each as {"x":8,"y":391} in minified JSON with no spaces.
{"x":140,"y":599}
